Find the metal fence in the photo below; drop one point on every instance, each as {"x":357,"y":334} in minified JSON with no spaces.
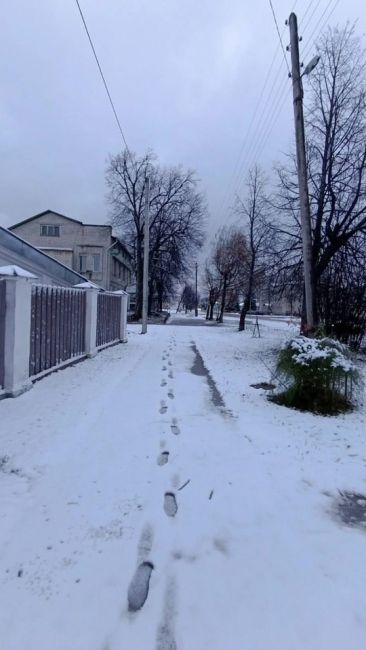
{"x":57,"y":327}
{"x":108,"y":318}
{"x":2,"y":331}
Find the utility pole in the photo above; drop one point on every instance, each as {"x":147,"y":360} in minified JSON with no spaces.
{"x":307,"y":252}
{"x":196,"y":303}
{"x":145,"y":281}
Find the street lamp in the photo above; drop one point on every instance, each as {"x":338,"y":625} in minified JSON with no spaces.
{"x":311,"y":65}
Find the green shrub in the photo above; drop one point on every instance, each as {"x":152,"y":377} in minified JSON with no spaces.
{"x":318,"y":376}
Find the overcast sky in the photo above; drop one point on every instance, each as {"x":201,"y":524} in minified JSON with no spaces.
{"x":186,"y":77}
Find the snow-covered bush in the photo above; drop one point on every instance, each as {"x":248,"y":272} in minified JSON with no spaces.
{"x":318,"y":375}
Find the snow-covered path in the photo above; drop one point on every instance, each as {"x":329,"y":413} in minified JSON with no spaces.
{"x":128,"y":462}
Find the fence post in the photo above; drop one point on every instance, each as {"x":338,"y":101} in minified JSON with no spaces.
{"x":17,"y":335}
{"x":124,"y":305}
{"x":91,"y":309}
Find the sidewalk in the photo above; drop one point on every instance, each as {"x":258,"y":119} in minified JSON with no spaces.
{"x":127,"y":461}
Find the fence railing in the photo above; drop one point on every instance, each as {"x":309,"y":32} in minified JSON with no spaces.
{"x":45,"y":327}
{"x":2,"y":330}
{"x":57,"y":327}
{"x":108,"y":318}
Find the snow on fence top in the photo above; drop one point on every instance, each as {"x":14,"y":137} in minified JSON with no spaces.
{"x":14,"y":270}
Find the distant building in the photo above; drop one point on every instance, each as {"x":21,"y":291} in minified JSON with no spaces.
{"x":16,"y":251}
{"x":90,"y":250}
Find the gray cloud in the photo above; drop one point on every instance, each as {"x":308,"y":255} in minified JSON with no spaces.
{"x":185,"y":76}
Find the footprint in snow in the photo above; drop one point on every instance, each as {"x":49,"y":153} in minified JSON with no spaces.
{"x":139,"y":587}
{"x":171,"y":393}
{"x":170,"y":504}
{"x":163,"y":407}
{"x":145,"y":543}
{"x":170,"y":375}
{"x":174,"y":427}
{"x":163,"y":382}
{"x":163,"y":458}
{"x":164,"y":368}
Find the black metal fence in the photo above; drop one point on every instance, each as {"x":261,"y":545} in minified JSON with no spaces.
{"x":57,"y":327}
{"x":2,"y":331}
{"x":108,"y":318}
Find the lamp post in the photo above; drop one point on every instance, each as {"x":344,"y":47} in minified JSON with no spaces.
{"x":298,"y":95}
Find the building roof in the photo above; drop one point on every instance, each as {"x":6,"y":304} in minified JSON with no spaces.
{"x":41,"y":214}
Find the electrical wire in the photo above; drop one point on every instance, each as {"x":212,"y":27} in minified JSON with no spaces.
{"x":103,"y":79}
{"x":278,"y":105}
{"x":279,"y":36}
{"x":311,"y":44}
{"x":251,"y":133}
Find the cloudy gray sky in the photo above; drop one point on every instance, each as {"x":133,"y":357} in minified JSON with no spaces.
{"x":186,"y":77}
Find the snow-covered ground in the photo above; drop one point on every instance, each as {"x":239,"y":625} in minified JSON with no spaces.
{"x":232,"y":536}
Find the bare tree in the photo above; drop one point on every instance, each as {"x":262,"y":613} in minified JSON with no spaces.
{"x":253,"y":210}
{"x":228,"y":260}
{"x":177,"y":213}
{"x":336,"y":151}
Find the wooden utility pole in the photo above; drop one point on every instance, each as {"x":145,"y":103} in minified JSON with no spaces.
{"x":302,"y":175}
{"x":145,"y":281}
{"x":196,"y":303}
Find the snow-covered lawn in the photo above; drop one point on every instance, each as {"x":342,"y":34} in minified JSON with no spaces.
{"x":232,"y":536}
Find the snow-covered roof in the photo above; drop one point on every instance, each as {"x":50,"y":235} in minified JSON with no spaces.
{"x":87,"y":285}
{"x":13,"y":269}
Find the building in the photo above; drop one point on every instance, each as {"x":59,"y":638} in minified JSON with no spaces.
{"x":14,"y":251}
{"x":90,"y":250}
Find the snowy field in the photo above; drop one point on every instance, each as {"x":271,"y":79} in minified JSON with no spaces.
{"x":155,"y":478}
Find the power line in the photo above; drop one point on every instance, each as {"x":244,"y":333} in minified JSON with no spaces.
{"x":103,"y":79}
{"x":306,"y":25}
{"x":278,"y":105}
{"x":311,"y":44}
{"x":279,"y":36}
{"x":250,"y":134}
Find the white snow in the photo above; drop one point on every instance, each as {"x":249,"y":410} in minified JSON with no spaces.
{"x":253,"y":558}
{"x":87,"y":285}
{"x":13,"y":269}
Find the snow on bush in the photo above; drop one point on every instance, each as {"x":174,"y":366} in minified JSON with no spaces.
{"x":332,"y":353}
{"x":318,"y":373}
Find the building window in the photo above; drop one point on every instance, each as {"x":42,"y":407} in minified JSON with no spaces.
{"x":50,"y":231}
{"x":82,"y":263}
{"x":96,"y":263}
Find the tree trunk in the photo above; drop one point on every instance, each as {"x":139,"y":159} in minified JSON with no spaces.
{"x":150,"y":297}
{"x":212,"y":307}
{"x":247,"y":302}
{"x":243,"y":313}
{"x":208,"y":312}
{"x":139,"y":278}
{"x":223,"y":301}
